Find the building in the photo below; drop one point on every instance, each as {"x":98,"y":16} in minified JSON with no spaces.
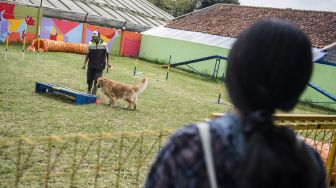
{"x":212,"y":31}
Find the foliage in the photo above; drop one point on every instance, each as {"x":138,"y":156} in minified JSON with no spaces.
{"x":206,"y":3}
{"x":181,"y":7}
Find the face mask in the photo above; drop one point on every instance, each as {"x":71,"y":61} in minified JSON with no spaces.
{"x":95,"y":38}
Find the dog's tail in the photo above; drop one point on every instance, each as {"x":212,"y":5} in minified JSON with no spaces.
{"x":141,"y":86}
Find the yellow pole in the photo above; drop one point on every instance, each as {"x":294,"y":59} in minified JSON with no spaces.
{"x":220,"y":89}
{"x":135,"y":67}
{"x":24,"y":43}
{"x":168,"y":69}
{"x":7,"y":41}
{"x":331,"y":160}
{"x":38,"y":44}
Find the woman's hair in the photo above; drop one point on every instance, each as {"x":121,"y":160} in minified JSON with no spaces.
{"x":268,"y":68}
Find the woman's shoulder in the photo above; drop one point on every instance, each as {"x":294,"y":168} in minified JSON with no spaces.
{"x":225,"y":123}
{"x":186,"y":141}
{"x":188,"y":138}
{"x":227,"y":143}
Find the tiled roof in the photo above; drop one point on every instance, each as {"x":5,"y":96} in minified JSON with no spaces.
{"x":229,"y":20}
{"x":139,"y":14}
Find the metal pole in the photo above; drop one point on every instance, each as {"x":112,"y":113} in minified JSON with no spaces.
{"x":214,"y":71}
{"x":86,"y":17}
{"x":219,"y":61}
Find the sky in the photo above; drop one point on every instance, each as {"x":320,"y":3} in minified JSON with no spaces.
{"x":321,"y":5}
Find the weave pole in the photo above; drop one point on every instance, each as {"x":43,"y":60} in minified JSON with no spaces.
{"x":24,"y":44}
{"x":168,"y":68}
{"x":7,"y":41}
{"x":135,"y":67}
{"x":38,"y":44}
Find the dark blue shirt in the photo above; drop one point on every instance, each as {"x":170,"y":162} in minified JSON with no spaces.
{"x":180,"y":163}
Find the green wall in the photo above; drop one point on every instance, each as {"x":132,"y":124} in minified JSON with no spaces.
{"x":325,"y":77}
{"x":157,"y":49}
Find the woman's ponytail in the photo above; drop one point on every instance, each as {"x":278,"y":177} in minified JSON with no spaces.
{"x":273,"y":156}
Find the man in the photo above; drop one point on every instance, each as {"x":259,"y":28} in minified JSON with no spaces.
{"x":98,"y":56}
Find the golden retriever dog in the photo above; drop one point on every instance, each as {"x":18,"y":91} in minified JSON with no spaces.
{"x":115,"y":90}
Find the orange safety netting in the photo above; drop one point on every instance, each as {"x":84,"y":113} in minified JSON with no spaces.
{"x":47,"y":45}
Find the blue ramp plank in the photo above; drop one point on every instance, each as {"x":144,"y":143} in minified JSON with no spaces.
{"x":80,"y":97}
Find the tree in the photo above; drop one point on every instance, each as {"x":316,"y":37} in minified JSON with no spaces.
{"x":180,"y":7}
{"x":162,"y":4}
{"x":206,"y":3}
{"x":176,"y":7}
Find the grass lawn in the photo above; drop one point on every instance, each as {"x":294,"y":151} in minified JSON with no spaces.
{"x":162,"y":105}
{"x":169,"y":104}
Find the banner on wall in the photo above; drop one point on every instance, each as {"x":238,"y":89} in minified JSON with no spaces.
{"x":61,"y":30}
{"x":16,"y":20}
{"x":130,"y":44}
{"x":107,"y":34}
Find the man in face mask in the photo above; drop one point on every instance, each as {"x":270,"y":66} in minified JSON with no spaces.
{"x":98,"y":56}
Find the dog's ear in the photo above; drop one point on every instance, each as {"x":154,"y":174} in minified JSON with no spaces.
{"x":103,"y":80}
